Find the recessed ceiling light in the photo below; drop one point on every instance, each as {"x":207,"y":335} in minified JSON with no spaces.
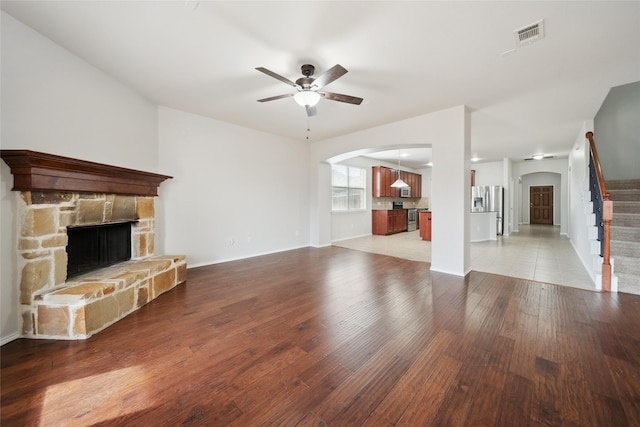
{"x":475,"y":159}
{"x":540,"y":157}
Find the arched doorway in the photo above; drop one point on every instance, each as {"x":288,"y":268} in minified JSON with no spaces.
{"x":448,"y":133}
{"x":541,"y":194}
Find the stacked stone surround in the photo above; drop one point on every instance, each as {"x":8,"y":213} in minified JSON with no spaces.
{"x":53,"y":307}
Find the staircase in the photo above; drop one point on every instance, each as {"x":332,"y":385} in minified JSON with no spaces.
{"x":625,"y":234}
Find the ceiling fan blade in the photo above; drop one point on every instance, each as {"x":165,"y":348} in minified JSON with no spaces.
{"x":342,"y":98}
{"x":330,"y":75}
{"x":273,"y":98}
{"x":276,"y":76}
{"x":311,"y":110}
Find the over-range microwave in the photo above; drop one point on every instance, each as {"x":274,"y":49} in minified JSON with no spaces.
{"x":405,"y":192}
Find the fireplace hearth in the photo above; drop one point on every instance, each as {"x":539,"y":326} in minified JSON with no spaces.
{"x":86,"y":243}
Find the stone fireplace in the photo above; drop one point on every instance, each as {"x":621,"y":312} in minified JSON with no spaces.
{"x":56,"y":193}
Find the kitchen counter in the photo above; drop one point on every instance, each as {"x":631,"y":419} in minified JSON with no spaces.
{"x":483,"y":226}
{"x":389,"y":221}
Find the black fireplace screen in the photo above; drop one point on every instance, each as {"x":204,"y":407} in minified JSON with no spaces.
{"x":97,"y":246}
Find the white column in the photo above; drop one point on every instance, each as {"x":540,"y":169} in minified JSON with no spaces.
{"x":507,"y":204}
{"x":320,"y":209}
{"x":451,"y":193}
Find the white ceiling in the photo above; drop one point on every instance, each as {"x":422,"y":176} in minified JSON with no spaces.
{"x":416,"y":158}
{"x":404,"y":58}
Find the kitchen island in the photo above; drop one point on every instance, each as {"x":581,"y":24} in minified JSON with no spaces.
{"x":483,"y":226}
{"x":425,"y":224}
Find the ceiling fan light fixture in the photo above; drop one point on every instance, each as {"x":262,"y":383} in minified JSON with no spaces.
{"x":307,"y":87}
{"x":307,"y":98}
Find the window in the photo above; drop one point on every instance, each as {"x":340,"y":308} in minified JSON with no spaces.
{"x":348,"y":188}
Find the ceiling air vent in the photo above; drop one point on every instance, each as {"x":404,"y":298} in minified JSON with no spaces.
{"x":529,"y":33}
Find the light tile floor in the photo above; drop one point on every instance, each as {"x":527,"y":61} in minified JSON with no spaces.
{"x":536,"y":252}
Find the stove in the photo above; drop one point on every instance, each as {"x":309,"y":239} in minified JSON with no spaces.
{"x":412,"y":219}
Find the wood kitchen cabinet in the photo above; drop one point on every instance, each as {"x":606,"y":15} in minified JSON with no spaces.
{"x":425,"y":225}
{"x":416,"y":188}
{"x":380,"y":185}
{"x":389,"y":222}
{"x":383,"y":177}
{"x":398,"y":220}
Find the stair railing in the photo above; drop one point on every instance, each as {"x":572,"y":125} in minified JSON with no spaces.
{"x":603,"y":208}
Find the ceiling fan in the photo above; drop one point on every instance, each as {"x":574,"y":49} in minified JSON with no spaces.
{"x":308,"y":93}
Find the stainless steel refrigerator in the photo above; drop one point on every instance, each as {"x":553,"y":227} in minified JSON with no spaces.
{"x":489,"y":199}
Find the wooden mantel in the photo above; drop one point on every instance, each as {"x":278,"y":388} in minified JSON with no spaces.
{"x":35,"y":171}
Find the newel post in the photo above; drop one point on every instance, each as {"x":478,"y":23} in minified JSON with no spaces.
{"x":607,"y":216}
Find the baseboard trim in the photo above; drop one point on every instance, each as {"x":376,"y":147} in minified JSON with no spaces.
{"x":349,"y":238}
{"x":9,"y":338}
{"x":220,"y":261}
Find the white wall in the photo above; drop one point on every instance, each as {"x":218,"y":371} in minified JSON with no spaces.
{"x":56,"y":103}
{"x":447,"y":132}
{"x":508,"y":196}
{"x":556,"y":166}
{"x":616,"y":130}
{"x":426,"y":184}
{"x":53,"y":101}
{"x":578,"y":199}
{"x":541,"y":179}
{"x":451,"y":193}
{"x":9,"y":293}
{"x":489,"y":173}
{"x":236,"y":192}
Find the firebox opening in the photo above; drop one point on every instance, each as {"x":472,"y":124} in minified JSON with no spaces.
{"x":97,"y":246}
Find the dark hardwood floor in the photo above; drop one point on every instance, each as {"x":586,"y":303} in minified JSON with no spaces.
{"x":339,"y":337}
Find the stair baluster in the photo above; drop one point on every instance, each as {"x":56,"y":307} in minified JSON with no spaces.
{"x":603,"y":209}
